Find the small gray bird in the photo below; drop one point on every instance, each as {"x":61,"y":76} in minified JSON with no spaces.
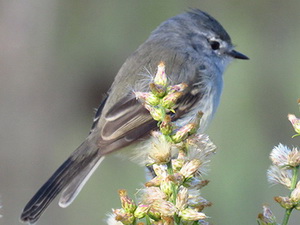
{"x":196,"y":50}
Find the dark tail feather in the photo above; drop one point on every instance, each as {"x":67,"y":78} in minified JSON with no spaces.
{"x":84,"y":158}
{"x":71,"y":191}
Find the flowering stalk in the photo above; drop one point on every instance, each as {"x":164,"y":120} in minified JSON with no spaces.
{"x":178,"y":157}
{"x":293,"y":189}
{"x":284,"y":170}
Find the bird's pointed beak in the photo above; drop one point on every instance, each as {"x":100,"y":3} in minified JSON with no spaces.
{"x":237,"y":55}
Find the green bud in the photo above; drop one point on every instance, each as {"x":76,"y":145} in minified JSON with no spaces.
{"x":147,"y":97}
{"x":141,"y":211}
{"x":166,"y":126}
{"x":127,"y":204}
{"x":157,"y":90}
{"x":184,"y":132}
{"x":170,"y":99}
{"x":152,"y":100}
{"x":177,"y":164}
{"x":177,"y":88}
{"x":156,"y":113}
{"x":285,"y":202}
{"x":166,"y":186}
{"x":124,"y":217}
{"x":295,"y":195}
{"x":154,"y":214}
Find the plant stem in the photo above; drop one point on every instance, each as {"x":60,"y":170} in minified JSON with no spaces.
{"x":286,"y":216}
{"x":294,"y":178}
{"x":293,"y":186}
{"x":148,"y":222}
{"x":174,"y":191}
{"x":170,"y":168}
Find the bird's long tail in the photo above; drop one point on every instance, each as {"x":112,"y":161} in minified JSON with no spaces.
{"x":69,"y":177}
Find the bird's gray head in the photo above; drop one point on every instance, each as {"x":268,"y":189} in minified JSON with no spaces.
{"x":196,"y":30}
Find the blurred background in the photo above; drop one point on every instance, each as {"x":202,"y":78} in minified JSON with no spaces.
{"x":58,"y":58}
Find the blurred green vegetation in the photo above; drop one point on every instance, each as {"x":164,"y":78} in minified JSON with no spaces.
{"x":58,"y":58}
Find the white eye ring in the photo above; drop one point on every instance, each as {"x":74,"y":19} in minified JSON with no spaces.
{"x":215,"y":45}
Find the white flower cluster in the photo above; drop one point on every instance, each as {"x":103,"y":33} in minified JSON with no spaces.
{"x":178,"y":156}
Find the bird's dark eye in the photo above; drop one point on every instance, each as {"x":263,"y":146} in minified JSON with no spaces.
{"x":215,"y":45}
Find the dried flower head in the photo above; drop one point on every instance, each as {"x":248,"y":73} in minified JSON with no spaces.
{"x":151,"y":194}
{"x":283,"y":156}
{"x":190,"y":168}
{"x":200,"y":147}
{"x":196,"y":200}
{"x":267,"y":217}
{"x":192,"y":214}
{"x":294,"y":157}
{"x":196,"y":182}
{"x":278,"y":175}
{"x":165,"y":208}
{"x":111,"y":220}
{"x":160,"y":151}
{"x":182,"y":198}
